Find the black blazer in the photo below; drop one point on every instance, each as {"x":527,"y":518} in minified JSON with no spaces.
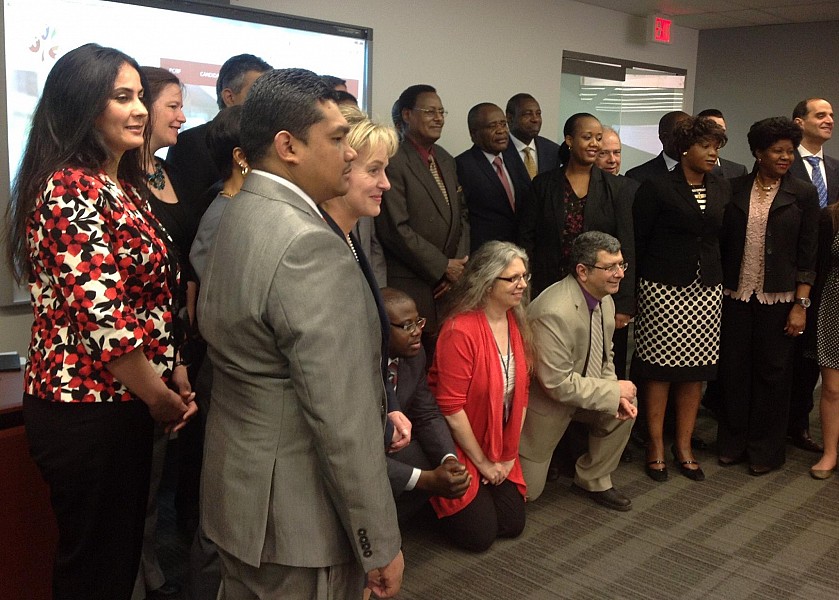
{"x":191,"y":158}
{"x":672,"y":234}
{"x":831,"y":169}
{"x":431,"y":438}
{"x":490,"y":215}
{"x":655,"y":167}
{"x":791,"y":234}
{"x":608,"y":208}
{"x":384,"y":322}
{"x":729,"y":169}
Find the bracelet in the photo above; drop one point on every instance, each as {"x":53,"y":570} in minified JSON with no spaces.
{"x":180,"y":363}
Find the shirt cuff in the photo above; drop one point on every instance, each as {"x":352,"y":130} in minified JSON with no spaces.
{"x":412,"y":482}
{"x":449,"y":455}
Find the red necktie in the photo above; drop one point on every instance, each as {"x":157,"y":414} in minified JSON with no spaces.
{"x":499,"y":168}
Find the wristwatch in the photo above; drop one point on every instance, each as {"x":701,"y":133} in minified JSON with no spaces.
{"x":805,"y":302}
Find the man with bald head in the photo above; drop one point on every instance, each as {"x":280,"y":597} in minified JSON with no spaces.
{"x":668,"y":158}
{"x":492,"y":188}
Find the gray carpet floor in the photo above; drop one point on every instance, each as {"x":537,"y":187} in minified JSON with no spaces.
{"x":732,"y":536}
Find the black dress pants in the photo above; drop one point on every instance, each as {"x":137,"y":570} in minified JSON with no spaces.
{"x":756,"y":377}
{"x":496,"y":511}
{"x":96,"y":460}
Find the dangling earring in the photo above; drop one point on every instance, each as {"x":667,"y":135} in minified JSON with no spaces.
{"x":245,"y":169}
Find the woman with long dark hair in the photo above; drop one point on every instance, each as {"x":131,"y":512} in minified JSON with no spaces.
{"x":102,"y":354}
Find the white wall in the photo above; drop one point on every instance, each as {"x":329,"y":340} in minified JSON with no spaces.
{"x":751,"y":73}
{"x":471,"y":52}
{"x":475,"y":51}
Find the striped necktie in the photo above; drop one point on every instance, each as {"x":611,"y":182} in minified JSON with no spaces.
{"x":595,"y":355}
{"x":818,"y":180}
{"x":435,"y":173}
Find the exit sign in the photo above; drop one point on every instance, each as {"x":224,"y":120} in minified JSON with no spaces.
{"x":659,"y":29}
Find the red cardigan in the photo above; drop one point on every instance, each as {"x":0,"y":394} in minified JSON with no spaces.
{"x":467,"y":375}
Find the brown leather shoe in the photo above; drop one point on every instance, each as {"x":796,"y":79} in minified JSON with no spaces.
{"x":801,"y":439}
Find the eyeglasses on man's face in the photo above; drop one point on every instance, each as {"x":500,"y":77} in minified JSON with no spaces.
{"x":516,"y":279}
{"x":612,"y":269}
{"x":412,"y":326}
{"x":432,"y":112}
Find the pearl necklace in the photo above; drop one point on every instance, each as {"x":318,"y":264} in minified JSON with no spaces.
{"x":352,"y":247}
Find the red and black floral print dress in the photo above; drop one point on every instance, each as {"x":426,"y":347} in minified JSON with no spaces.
{"x":100,"y":287}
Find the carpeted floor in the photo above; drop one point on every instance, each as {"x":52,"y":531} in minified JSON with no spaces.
{"x":732,"y":536}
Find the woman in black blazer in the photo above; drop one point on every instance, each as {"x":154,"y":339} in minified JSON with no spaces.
{"x":574,"y":198}
{"x":677,"y":220}
{"x":769,"y":244}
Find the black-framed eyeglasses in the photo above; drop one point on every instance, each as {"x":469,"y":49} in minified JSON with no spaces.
{"x":515,"y":279}
{"x":412,"y":326}
{"x":432,"y":112}
{"x":612,"y":269}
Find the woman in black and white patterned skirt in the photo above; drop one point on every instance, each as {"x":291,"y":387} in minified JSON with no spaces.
{"x":677,"y":329}
{"x":827,"y":340}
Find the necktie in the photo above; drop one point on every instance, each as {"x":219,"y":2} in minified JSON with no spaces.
{"x":595,"y":356}
{"x":432,"y":166}
{"x":499,"y":169}
{"x":392,"y":373}
{"x":529,"y":163}
{"x":818,"y":180}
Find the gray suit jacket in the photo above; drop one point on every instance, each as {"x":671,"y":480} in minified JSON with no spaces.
{"x":294,"y":472}
{"x":561,"y":326}
{"x":418,"y":230}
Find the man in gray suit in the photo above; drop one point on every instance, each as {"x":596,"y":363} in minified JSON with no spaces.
{"x":295,"y":490}
{"x":575,"y":375}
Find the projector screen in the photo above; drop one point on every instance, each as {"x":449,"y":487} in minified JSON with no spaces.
{"x":192,"y":39}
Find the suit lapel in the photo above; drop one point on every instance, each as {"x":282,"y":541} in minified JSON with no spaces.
{"x":488,"y":171}
{"x":831,"y":169}
{"x":682,"y":187}
{"x":423,"y":174}
{"x":784,"y":197}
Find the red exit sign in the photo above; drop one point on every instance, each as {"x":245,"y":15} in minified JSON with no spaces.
{"x":660,"y":29}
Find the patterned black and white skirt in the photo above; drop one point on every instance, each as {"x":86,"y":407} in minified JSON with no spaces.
{"x":677,"y":331}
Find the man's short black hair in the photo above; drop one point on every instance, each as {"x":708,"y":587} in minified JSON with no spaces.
{"x":710,"y":112}
{"x":232,"y":73}
{"x":281,"y":100}
{"x":408,"y":98}
{"x":802,"y":108}
{"x":513,"y":103}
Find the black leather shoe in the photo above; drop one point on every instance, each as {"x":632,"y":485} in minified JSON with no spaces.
{"x":758,"y":470}
{"x":656,"y":474}
{"x":627,"y":456}
{"x":686,"y":469}
{"x":610,"y":498}
{"x":169,"y":589}
{"x":801,"y":439}
{"x":553,"y":473}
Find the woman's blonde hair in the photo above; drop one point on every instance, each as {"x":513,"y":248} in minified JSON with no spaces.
{"x":366,"y":134}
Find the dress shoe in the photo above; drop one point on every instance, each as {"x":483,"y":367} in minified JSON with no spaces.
{"x":610,"y":498}
{"x":821,"y":474}
{"x":656,"y":474}
{"x":637,"y":438}
{"x":758,"y":470}
{"x":801,"y":439}
{"x":695,"y":474}
{"x":627,"y":456}
{"x":169,"y":589}
{"x":553,"y":473}
{"x":727,"y":461}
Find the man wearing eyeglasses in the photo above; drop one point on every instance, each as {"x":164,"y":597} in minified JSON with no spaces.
{"x":491,"y":187}
{"x":572,"y":322}
{"x":428,"y":466}
{"x":424,"y":225}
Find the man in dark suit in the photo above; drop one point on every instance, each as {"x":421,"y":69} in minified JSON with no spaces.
{"x":424,"y":223}
{"x":727,"y":169}
{"x":190,"y":157}
{"x":527,"y":149}
{"x":668,"y":158}
{"x":294,"y":488}
{"x":492,"y":188}
{"x":428,"y":466}
{"x":815,"y":117}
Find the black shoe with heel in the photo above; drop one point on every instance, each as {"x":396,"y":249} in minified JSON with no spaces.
{"x":656,"y":474}
{"x":695,"y":474}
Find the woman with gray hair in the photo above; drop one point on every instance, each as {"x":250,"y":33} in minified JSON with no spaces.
{"x":480,"y":377}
